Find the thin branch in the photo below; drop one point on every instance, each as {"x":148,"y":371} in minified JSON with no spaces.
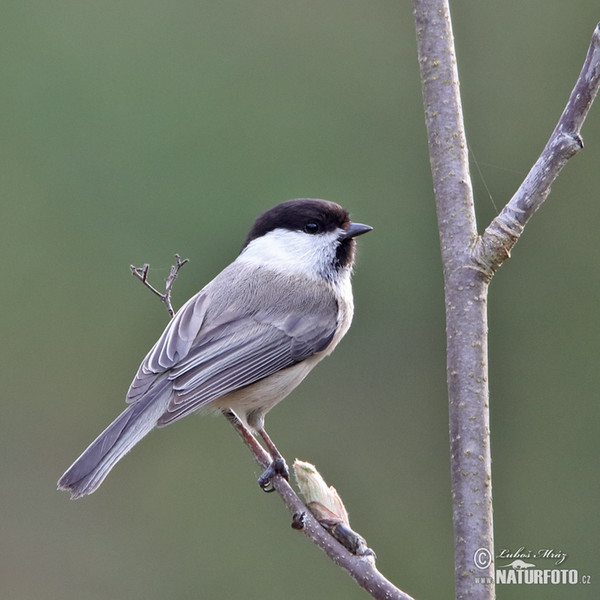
{"x":360,"y":567}
{"x":142,"y":274}
{"x":465,"y":292}
{"x":494,"y":246}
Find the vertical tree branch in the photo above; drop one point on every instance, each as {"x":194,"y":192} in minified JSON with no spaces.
{"x":469,"y":263}
{"x":465,"y":291}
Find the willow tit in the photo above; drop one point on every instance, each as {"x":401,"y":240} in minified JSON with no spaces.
{"x":244,"y":341}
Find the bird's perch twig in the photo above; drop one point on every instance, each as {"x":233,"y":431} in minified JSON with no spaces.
{"x":361,"y":568}
{"x":142,"y":274}
{"x":469,"y":263}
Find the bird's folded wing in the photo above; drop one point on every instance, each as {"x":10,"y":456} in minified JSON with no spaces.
{"x":172,"y":346}
{"x":205,"y":361}
{"x":242,"y":352}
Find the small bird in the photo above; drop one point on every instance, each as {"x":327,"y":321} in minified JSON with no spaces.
{"x":245,"y":340}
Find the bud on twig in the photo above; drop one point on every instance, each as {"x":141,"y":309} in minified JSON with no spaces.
{"x":327,"y":507}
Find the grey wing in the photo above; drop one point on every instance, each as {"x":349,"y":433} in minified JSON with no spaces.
{"x":172,"y":346}
{"x":206,"y":361}
{"x":241,"y":352}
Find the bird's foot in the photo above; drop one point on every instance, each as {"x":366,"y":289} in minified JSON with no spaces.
{"x":278,"y":466}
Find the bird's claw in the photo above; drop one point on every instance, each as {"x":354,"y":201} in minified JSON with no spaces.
{"x":277,"y":467}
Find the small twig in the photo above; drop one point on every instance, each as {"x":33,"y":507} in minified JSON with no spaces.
{"x":361,"y":568}
{"x":142,"y":274}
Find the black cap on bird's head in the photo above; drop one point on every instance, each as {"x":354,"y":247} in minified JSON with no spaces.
{"x":312,"y":216}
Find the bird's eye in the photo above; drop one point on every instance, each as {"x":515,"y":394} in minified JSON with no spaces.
{"x":311,"y":228}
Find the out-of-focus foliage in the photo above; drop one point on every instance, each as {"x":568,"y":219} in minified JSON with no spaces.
{"x":133,"y":130}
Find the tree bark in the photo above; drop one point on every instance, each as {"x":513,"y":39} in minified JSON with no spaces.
{"x":469,"y":263}
{"x":465,"y":290}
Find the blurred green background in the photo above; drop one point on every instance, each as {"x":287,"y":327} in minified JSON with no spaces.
{"x":132,"y":130}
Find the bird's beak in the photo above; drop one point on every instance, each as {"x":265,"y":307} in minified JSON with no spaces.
{"x":355,"y":229}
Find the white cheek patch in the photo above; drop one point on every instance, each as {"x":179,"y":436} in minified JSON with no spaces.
{"x":295,"y":252}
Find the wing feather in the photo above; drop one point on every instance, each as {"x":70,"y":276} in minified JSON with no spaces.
{"x":241,"y":363}
{"x":172,"y":346}
{"x":215,"y":345}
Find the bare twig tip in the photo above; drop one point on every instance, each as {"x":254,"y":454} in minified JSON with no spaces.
{"x":142,"y":274}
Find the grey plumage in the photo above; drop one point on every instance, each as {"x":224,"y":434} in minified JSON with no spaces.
{"x":239,"y":341}
{"x":91,"y":468}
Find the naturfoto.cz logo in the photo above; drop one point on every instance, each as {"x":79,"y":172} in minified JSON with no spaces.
{"x":522,"y":571}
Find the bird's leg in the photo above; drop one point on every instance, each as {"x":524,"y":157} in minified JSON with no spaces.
{"x":278,"y":465}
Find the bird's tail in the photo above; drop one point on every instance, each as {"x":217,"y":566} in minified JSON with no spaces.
{"x":86,"y":474}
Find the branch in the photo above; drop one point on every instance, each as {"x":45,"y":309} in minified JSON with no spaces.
{"x":465,"y":291}
{"x":494,"y":246}
{"x":142,"y":274}
{"x":469,"y":263}
{"x":360,"y":566}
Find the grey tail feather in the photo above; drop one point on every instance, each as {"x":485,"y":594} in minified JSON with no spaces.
{"x":86,"y":474}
